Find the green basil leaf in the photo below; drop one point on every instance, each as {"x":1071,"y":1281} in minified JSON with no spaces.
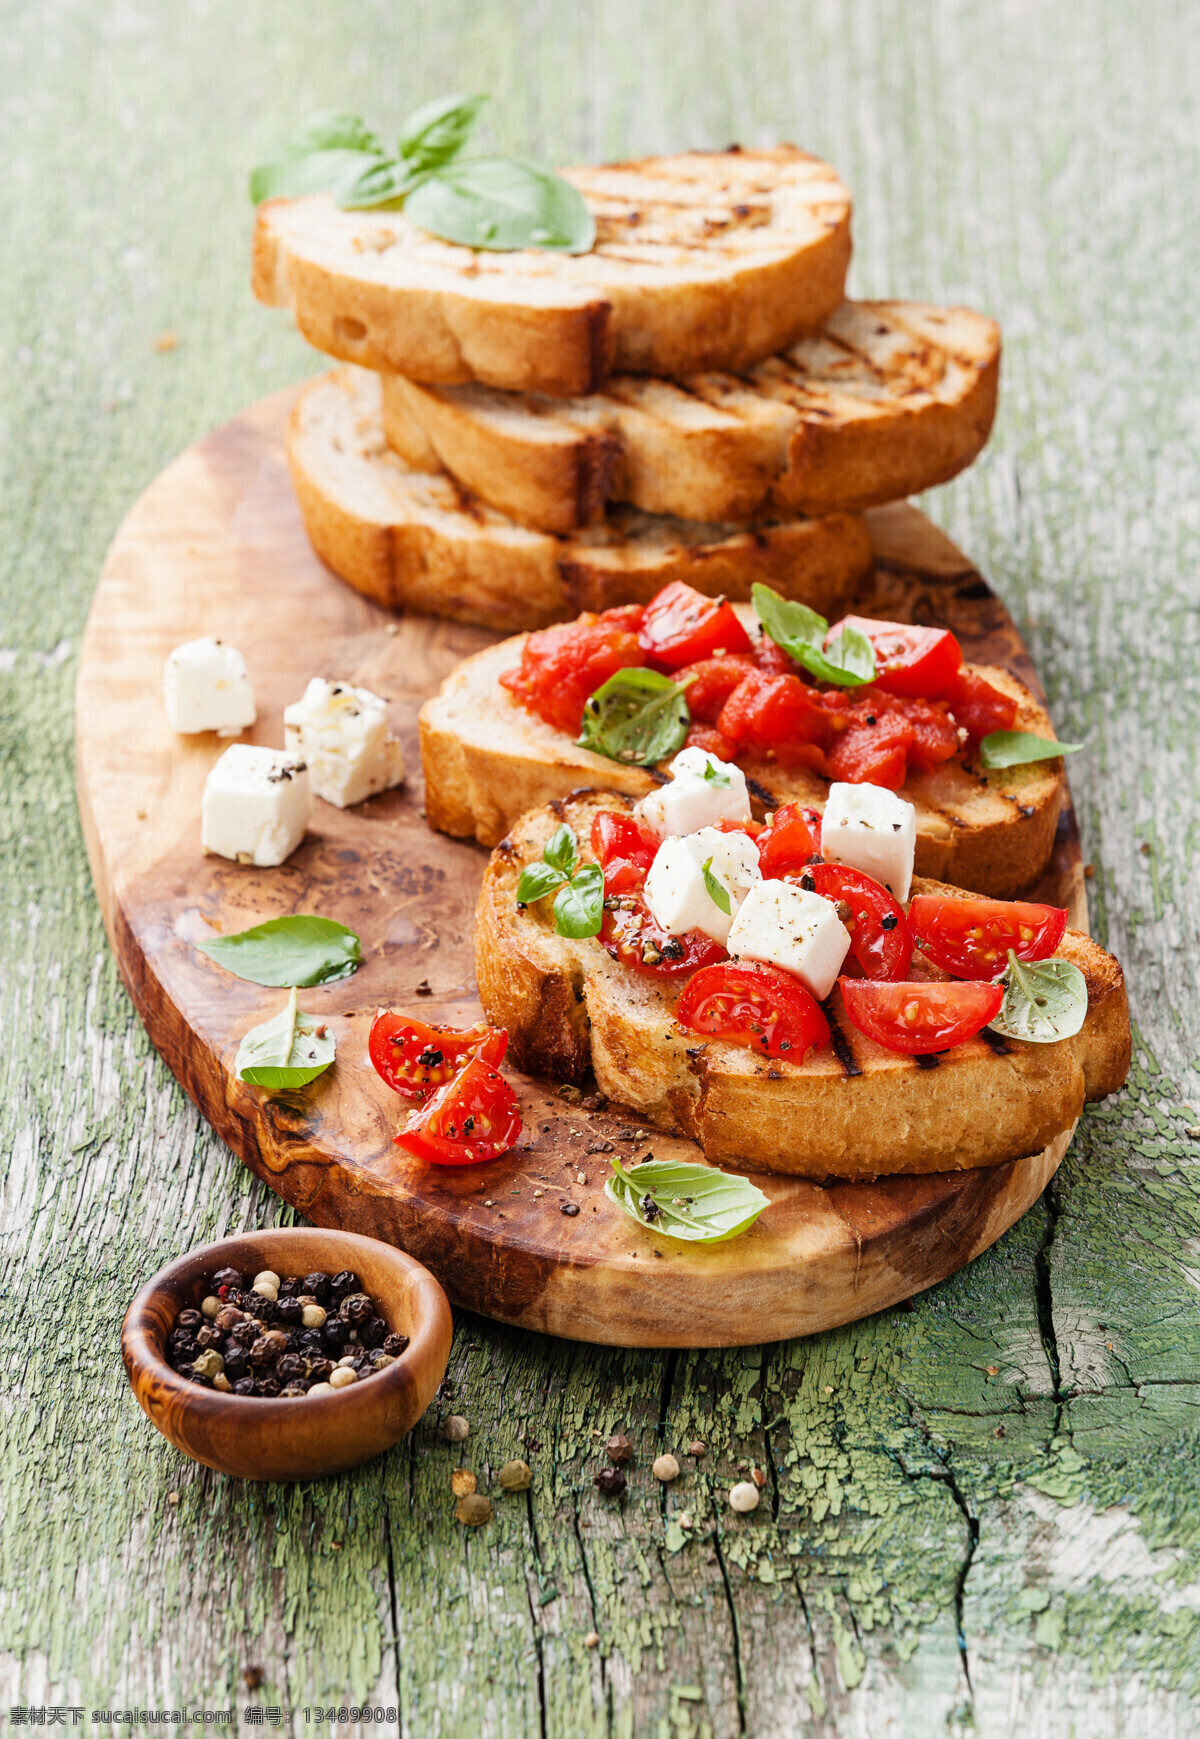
{"x":299,"y":950}
{"x":379,"y":181}
{"x":502,"y":203}
{"x":637,"y":716}
{"x":697,"y":1204}
{"x":329,"y":130}
{"x":319,"y":172}
{"x":437,"y":131}
{"x":1017,"y":748}
{"x":1044,"y":1000}
{"x":849,"y":662}
{"x":538,"y":880}
{"x":718,"y":893}
{"x":285,"y":1052}
{"x":714,"y":776}
{"x":562,"y":850}
{"x":579,"y":907}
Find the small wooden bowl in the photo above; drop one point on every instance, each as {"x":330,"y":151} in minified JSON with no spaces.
{"x":297,"y":1438}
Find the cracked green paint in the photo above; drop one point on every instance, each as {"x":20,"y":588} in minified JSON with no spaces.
{"x":1039,"y":1527}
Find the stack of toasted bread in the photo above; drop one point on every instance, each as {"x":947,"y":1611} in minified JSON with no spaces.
{"x":519,"y":436}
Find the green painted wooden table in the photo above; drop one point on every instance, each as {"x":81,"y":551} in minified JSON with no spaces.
{"x":984,"y":1512}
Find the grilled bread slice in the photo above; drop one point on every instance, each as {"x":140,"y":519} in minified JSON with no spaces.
{"x":702,"y":260}
{"x":487,"y":760}
{"x":889,"y":398}
{"x":853,"y":1110}
{"x":414,"y":540}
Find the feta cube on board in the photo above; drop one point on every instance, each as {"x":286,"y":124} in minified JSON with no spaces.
{"x":703,"y":790}
{"x":205,"y":689}
{"x":341,"y":731}
{"x":256,"y":805}
{"x":872,"y":830}
{"x":677,"y":893}
{"x":780,"y":925}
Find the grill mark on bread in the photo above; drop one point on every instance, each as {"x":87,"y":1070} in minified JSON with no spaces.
{"x":843,"y":1050}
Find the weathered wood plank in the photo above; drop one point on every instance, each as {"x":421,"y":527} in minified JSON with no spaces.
{"x":1040,"y":162}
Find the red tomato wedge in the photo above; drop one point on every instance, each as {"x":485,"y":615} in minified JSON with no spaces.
{"x":873,"y":750}
{"x":919,"y":1018}
{"x":681,"y":625}
{"x":471,"y":1118}
{"x":879,"y":934}
{"x":710,"y":682}
{"x":791,"y":839}
{"x":631,"y":936}
{"x":757,"y":1007}
{"x":971,"y":938}
{"x":624,"y":849}
{"x":415,"y":1059}
{"x":980,"y":708}
{"x":909,"y":660}
{"x":765,"y":711}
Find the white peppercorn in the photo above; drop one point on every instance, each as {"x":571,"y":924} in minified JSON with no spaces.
{"x":666,"y":1468}
{"x":210,"y":1307}
{"x":313,"y":1316}
{"x":744,"y":1497}
{"x":342,"y":1376}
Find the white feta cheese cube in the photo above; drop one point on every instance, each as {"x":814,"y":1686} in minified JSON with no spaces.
{"x":256,"y":805}
{"x":703,"y":790}
{"x":205,"y":689}
{"x":341,"y":731}
{"x":677,"y":893}
{"x":872,"y":830}
{"x":780,"y":925}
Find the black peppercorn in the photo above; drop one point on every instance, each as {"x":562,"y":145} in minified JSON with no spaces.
{"x":196,"y":1377}
{"x":289,"y":1310}
{"x":245,"y":1386}
{"x":319,"y":1370}
{"x":229,"y":1277}
{"x":256,"y":1305}
{"x":267,"y":1348}
{"x":288,"y":1289}
{"x":373,"y":1332}
{"x":610,"y":1481}
{"x":290,"y":1368}
{"x":356,"y":1309}
{"x":209,"y":1336}
{"x":344,"y":1283}
{"x":335,"y":1334}
{"x":237,"y":1363}
{"x":316,"y":1286}
{"x":310,"y":1341}
{"x":570,"y":1209}
{"x":184,"y":1353}
{"x":244,"y":1333}
{"x":189,"y":1319}
{"x":395,"y":1344}
{"x":266,"y":1386}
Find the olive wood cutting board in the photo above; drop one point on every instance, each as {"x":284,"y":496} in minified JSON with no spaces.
{"x":216,"y":546}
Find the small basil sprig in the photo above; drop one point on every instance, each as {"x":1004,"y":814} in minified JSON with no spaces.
{"x":695,"y":1203}
{"x":712,"y":775}
{"x":288,"y":1051}
{"x":579,"y":900}
{"x":850,"y":660}
{"x":300,"y":949}
{"x":1044,"y":1000}
{"x":637,"y":717}
{"x":1017,"y":748}
{"x":718,"y":893}
{"x":497,"y":203}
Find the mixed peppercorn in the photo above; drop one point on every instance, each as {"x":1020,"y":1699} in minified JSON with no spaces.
{"x":267,"y":1337}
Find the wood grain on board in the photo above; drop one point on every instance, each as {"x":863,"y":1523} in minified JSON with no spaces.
{"x":216,"y":546}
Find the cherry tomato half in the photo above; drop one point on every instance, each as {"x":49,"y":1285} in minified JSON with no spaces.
{"x":631,"y":936}
{"x":920,"y":1018}
{"x":681,"y":625}
{"x":624,"y":848}
{"x":971,"y":938}
{"x":757,"y":1007}
{"x":790,"y":840}
{"x":909,"y":660}
{"x":879,"y":934}
{"x":415,"y":1059}
{"x":471,"y":1118}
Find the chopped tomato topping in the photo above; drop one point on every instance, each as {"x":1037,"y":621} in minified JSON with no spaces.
{"x":873,"y":749}
{"x":979,"y":707}
{"x":560,"y":667}
{"x":909,"y":660}
{"x":766,"y":711}
{"x":624,"y":848}
{"x":935,"y":738}
{"x":474,"y":1117}
{"x":971,"y":938}
{"x":711,"y":682}
{"x":790,"y":841}
{"x":682,"y":625}
{"x":711,"y":740}
{"x":879,"y":934}
{"x":758,"y":1007}
{"x":631,"y":936}
{"x":415,"y":1059}
{"x":770,"y":656}
{"x":919,"y":1017}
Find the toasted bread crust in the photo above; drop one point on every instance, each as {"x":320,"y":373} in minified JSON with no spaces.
{"x":487,"y":760}
{"x":888,"y":399}
{"x":855,"y":1112}
{"x":411,"y":539}
{"x":704,"y":260}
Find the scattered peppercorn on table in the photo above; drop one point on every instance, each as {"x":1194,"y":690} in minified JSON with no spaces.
{"x":976,"y":1515}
